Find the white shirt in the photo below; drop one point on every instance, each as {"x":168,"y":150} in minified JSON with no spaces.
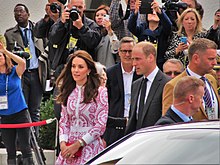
{"x":211,"y":92}
{"x":127,"y":81}
{"x":150,"y":78}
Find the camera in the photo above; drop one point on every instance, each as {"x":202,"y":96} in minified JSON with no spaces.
{"x":174,"y":5}
{"x":54,"y":7}
{"x":74,"y":13}
{"x":22,"y":54}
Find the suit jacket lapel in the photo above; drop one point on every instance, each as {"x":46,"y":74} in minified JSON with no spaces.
{"x":151,"y":93}
{"x":120,"y":78}
{"x":173,"y":116}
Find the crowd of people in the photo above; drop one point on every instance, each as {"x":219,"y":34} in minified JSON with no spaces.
{"x":112,"y":74}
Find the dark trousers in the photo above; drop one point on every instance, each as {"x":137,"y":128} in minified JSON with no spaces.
{"x":33,"y":92}
{"x":10,"y":136}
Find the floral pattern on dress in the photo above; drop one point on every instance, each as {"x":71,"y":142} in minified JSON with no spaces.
{"x":83,"y":121}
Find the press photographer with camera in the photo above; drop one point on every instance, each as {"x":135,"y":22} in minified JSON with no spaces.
{"x":156,"y":29}
{"x":22,"y":35}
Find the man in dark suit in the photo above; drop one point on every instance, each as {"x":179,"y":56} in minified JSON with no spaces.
{"x":119,"y":80}
{"x":185,"y":102}
{"x":202,"y":58}
{"x":146,"y":112}
{"x":22,"y":35}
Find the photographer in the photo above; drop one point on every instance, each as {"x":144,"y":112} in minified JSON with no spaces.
{"x":22,"y":35}
{"x":74,"y":31}
{"x":155,"y":30}
{"x":13,"y":108}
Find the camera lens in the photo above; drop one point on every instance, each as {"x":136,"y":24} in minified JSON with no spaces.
{"x":74,"y":14}
{"x":54,"y":7}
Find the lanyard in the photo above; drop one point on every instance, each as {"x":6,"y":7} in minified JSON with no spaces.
{"x":212,"y":95}
{"x":6,"y":86}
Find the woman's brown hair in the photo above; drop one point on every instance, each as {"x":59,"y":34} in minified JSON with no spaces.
{"x":66,"y":83}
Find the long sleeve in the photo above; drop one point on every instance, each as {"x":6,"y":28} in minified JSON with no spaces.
{"x":100,"y":120}
{"x":64,"y":125}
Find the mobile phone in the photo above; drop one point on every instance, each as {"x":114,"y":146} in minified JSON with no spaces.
{"x":183,"y":39}
{"x":145,"y":7}
{"x":106,"y":17}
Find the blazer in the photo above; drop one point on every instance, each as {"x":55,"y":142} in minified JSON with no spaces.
{"x":168,"y":95}
{"x":14,"y":34}
{"x":169,"y":118}
{"x":116,"y":122}
{"x":153,"y":105}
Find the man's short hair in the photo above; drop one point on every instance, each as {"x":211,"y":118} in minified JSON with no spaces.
{"x":148,"y":48}
{"x":186,"y":85}
{"x":126,"y":40}
{"x":174,"y":61}
{"x":200,"y":45}
{"x":25,"y":7}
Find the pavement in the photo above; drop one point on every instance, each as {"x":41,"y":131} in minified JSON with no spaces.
{"x":49,"y":154}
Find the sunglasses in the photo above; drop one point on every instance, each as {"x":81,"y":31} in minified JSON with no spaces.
{"x":170,"y":73}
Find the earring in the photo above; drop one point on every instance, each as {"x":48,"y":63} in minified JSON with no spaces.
{"x":87,"y":74}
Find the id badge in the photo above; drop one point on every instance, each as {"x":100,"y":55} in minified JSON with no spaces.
{"x":3,"y":102}
{"x":210,"y":113}
{"x":27,"y":49}
{"x":72,"y":43}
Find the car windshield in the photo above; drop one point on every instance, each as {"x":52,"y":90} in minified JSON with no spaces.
{"x":186,"y":146}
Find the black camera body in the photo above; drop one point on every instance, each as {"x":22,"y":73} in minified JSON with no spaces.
{"x":74,"y":13}
{"x":54,"y":7}
{"x":22,"y":54}
{"x":174,"y":5}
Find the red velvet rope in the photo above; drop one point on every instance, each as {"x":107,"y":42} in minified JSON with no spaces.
{"x":25,"y":125}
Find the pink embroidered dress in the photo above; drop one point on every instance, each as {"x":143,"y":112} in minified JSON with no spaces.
{"x":83,"y":121}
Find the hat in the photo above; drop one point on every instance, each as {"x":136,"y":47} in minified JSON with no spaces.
{"x":217,"y":66}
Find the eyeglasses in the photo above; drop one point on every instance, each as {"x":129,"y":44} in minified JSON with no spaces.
{"x":126,"y":51}
{"x":170,"y":73}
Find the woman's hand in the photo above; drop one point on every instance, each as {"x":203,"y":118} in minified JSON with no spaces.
{"x":69,"y":151}
{"x":181,"y":47}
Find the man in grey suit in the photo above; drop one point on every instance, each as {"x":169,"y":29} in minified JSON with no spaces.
{"x":185,"y":102}
{"x":144,"y":60}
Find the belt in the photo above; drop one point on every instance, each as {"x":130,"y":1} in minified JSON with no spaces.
{"x":31,"y":70}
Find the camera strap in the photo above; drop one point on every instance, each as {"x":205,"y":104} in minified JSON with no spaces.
{"x":127,"y":13}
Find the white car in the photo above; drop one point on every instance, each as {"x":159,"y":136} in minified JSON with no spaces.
{"x":187,"y":143}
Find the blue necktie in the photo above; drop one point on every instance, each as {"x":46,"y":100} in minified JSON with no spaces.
{"x":207,"y":97}
{"x":25,"y":39}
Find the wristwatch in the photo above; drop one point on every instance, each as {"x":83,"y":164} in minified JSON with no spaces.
{"x":81,"y":143}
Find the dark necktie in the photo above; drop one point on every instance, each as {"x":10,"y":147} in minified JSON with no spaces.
{"x":207,"y":97}
{"x":141,"y":101}
{"x":25,"y":39}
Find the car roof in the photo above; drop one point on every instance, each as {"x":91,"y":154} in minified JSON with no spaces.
{"x":143,"y":145}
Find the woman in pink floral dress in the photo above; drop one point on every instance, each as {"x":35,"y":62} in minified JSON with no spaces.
{"x":84,"y":110}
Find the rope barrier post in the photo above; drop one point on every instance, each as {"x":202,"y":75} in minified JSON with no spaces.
{"x":37,"y":150}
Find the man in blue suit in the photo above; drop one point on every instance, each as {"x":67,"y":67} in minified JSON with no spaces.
{"x":144,"y":60}
{"x":185,"y":102}
{"x":120,"y":78}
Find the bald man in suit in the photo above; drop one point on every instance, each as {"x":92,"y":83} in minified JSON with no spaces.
{"x":202,"y":58}
{"x":144,"y":60}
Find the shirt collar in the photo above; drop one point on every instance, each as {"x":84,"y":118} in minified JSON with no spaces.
{"x":152,"y":75}
{"x":123,"y":71}
{"x":191,"y":73}
{"x":22,"y":28}
{"x":180,"y":114}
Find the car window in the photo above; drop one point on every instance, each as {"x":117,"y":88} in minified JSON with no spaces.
{"x":194,"y":146}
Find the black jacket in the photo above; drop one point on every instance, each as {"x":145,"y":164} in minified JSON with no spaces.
{"x":88,"y":37}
